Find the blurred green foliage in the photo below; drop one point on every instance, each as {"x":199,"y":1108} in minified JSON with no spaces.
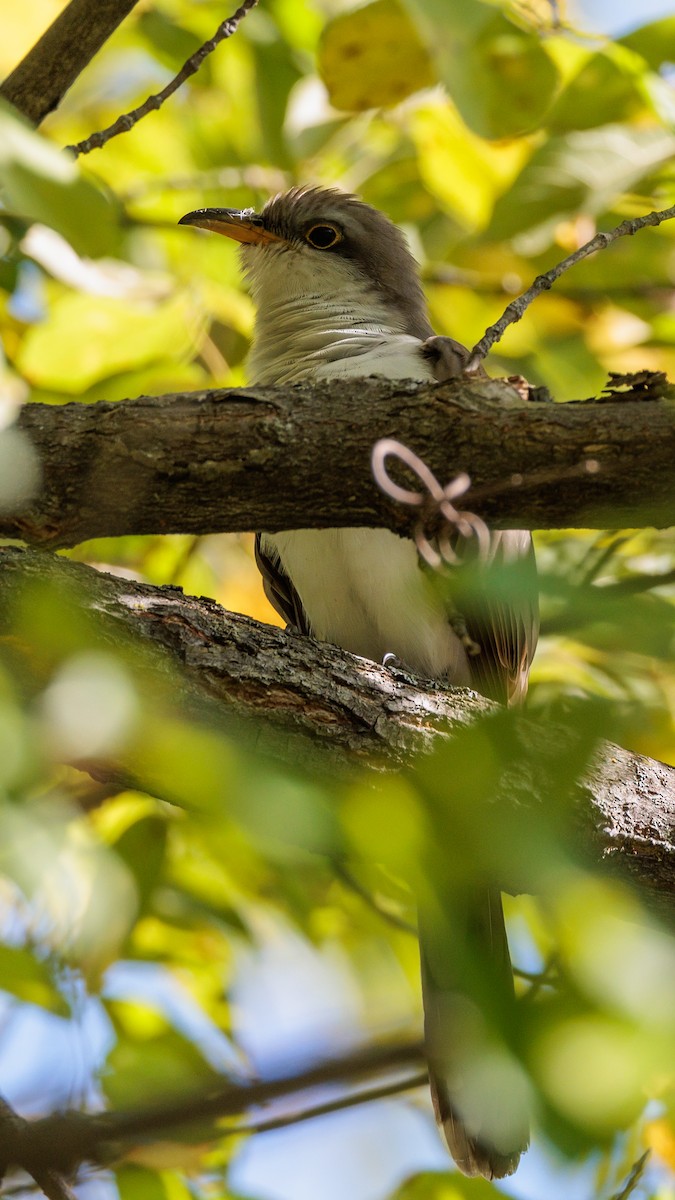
{"x":500,"y":141}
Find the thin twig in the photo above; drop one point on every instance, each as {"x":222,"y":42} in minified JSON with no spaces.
{"x":634,"y":1177}
{"x":127,"y":121}
{"x":64,"y":1140}
{"x":407,"y":1084}
{"x":542,"y":283}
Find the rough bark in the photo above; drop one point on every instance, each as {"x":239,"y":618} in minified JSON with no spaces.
{"x":318,"y":707}
{"x":264,"y":458}
{"x":40,"y":81}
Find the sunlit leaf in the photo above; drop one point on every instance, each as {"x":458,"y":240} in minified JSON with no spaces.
{"x":154,"y":1068}
{"x":655,"y":42}
{"x":606,"y":89}
{"x":91,"y":337}
{"x":40,"y":183}
{"x":276,"y":73}
{"x":445,"y":1185}
{"x":580,"y":172}
{"x":31,"y":979}
{"x":473,"y":41}
{"x":140,"y":1183}
{"x":142,"y":847}
{"x":372,"y":57}
{"x":172,"y":43}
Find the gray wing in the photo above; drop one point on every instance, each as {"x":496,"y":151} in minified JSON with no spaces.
{"x":477,"y":926}
{"x":503,"y":620}
{"x":279,"y":589}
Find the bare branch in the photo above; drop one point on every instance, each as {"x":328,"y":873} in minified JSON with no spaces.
{"x":407,"y":1084}
{"x":65,"y":1140}
{"x":634,"y":1177}
{"x":127,"y":121}
{"x":13,"y":1129}
{"x":300,"y":457}
{"x":40,"y":81}
{"x":516,"y":308}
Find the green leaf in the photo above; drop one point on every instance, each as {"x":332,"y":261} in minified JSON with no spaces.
{"x":142,"y":848}
{"x":373,"y":58}
{"x":89,"y":338}
{"x":606,"y":89}
{"x":655,"y":42}
{"x":445,"y":1185}
{"x":155,"y":1068}
{"x":40,"y":183}
{"x":472,"y":42}
{"x":28,"y":978}
{"x":140,"y":1183}
{"x":583,"y":171}
{"x":276,"y":73}
{"x":172,"y":43}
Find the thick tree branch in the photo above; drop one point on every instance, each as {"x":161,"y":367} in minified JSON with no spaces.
{"x":40,"y":81}
{"x":318,"y":707}
{"x":266,"y":458}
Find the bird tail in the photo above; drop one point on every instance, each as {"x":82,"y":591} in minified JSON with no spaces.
{"x":477,"y":1094}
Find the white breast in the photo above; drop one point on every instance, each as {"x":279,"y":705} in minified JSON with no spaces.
{"x":363,"y":589}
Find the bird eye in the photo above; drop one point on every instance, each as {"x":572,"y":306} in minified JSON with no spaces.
{"x":322,"y":237}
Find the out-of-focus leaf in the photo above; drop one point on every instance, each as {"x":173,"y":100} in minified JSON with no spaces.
{"x":276,"y":73}
{"x":498,"y":74}
{"x":580,"y":172}
{"x":140,"y":1183}
{"x":171,"y":42}
{"x":460,"y":169}
{"x":655,"y":42}
{"x":594,"y":1068}
{"x":91,"y":337}
{"x":30,"y":979}
{"x":153,"y":1068}
{"x":660,"y":1137}
{"x":372,"y":57}
{"x":606,"y":89}
{"x":40,"y":183}
{"x":142,"y":847}
{"x":445,"y":1185}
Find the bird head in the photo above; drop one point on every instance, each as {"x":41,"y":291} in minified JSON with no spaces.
{"x":311,"y":242}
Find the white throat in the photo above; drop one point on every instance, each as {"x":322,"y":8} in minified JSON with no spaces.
{"x":313,"y":311}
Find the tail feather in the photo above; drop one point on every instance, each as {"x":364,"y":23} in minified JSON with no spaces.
{"x":487,"y":1144}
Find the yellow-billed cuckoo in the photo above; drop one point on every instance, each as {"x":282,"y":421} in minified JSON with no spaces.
{"x":338,"y":295}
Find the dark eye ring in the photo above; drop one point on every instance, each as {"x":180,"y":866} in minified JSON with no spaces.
{"x":322,"y":237}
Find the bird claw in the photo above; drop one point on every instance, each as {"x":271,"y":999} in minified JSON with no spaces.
{"x":447,"y":356}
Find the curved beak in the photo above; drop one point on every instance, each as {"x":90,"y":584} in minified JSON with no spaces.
{"x":241,"y":225}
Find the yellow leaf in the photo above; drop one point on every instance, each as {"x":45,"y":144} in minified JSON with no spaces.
{"x":88,"y":338}
{"x":373,"y":58}
{"x":660,"y":1137}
